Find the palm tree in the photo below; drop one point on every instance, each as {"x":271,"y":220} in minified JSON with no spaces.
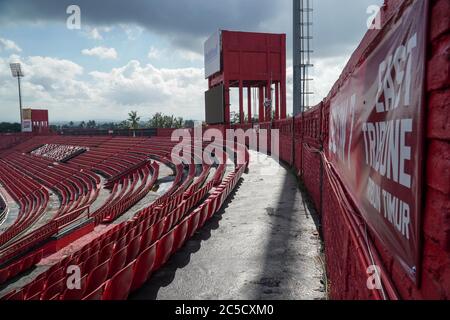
{"x":133,"y":119}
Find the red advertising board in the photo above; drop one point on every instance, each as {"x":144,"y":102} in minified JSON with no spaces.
{"x":376,"y":132}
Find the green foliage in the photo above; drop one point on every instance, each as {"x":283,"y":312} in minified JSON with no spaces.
{"x":162,"y":121}
{"x":133,"y":120}
{"x":6,"y":127}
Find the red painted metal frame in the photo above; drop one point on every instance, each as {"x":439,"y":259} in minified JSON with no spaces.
{"x":39,"y":119}
{"x":253,"y":60}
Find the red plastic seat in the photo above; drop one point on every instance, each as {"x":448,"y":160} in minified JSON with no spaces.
{"x":120,"y":244}
{"x":214,"y":206}
{"x":34,"y":297}
{"x":143,"y":267}
{"x":54,"y":289}
{"x":157,"y":230}
{"x":75,"y":294}
{"x":4,"y":275}
{"x":204,"y":214}
{"x":163,"y":250}
{"x":168,"y":222}
{"x":193,"y":224}
{"x":146,"y":240}
{"x":91,"y":264}
{"x":118,"y":261}
{"x":133,"y":249}
{"x":17,"y":296}
{"x":15,"y":269}
{"x":106,"y":252}
{"x":54,"y":277}
{"x":35,"y":287}
{"x":84,"y":256}
{"x":97,"y":277}
{"x":96,"y":294}
{"x":180,"y":235}
{"x":28,"y":262}
{"x":95,"y":246}
{"x":118,"y":288}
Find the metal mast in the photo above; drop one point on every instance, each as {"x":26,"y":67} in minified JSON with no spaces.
{"x":303,"y":21}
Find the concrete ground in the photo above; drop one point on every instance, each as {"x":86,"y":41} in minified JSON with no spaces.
{"x":264,"y":244}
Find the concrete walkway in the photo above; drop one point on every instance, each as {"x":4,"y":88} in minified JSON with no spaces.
{"x":263,"y":244}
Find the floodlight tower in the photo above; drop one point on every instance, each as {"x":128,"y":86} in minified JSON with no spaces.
{"x":17,"y":72}
{"x":303,"y":22}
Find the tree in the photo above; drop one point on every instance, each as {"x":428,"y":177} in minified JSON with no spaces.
{"x":189,"y":123}
{"x":163,"y":121}
{"x":133,"y":120}
{"x":91,"y":124}
{"x":9,"y":127}
{"x":124,"y":125}
{"x":178,"y":123}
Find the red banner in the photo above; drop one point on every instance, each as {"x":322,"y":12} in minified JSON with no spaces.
{"x":376,"y":132}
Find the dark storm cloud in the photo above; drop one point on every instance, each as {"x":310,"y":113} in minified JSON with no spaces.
{"x":187,"y":23}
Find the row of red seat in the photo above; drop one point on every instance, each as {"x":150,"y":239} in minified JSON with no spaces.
{"x":113,"y":209}
{"x":137,"y":248}
{"x":19,"y":266}
{"x":31,"y":197}
{"x":164,"y":214}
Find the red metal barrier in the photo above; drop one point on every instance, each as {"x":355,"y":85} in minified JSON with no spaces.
{"x":348,"y":251}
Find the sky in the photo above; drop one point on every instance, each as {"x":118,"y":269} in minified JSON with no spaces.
{"x":147,"y":55}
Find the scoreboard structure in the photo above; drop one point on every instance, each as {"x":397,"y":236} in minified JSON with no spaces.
{"x":245,"y":60}
{"x":35,"y":121}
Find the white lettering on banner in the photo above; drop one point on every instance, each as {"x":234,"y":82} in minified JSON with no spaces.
{"x":397,"y":213}
{"x":340,"y":115}
{"x":386,"y":150}
{"x":394,"y":210}
{"x":401,"y":65}
{"x":374,"y":195}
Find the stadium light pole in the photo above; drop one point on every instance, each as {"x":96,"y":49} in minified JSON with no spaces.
{"x":16,"y":71}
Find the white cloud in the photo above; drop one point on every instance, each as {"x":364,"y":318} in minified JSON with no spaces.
{"x":101,"y":52}
{"x":96,"y":33}
{"x":133,"y":32}
{"x":190,"y":56}
{"x":149,"y":89}
{"x":62,"y":87}
{"x":154,"y":53}
{"x":6,"y":44}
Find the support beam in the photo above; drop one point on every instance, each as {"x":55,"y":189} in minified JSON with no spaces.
{"x":277,"y":100}
{"x":261,"y":104}
{"x":283,"y":114}
{"x":249,"y":104}
{"x":241,"y":103}
{"x":227,"y":101}
{"x":268,"y":110}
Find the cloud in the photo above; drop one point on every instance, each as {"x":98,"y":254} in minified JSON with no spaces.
{"x":175,"y":54}
{"x":337,"y":31}
{"x":154,"y":53}
{"x":336,"y":27}
{"x":133,"y":32}
{"x":6,"y":44}
{"x":95,"y":34}
{"x":101,"y":52}
{"x":63,"y":87}
{"x":145,"y":87}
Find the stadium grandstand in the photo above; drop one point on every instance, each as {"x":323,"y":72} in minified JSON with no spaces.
{"x":67,"y":197}
{"x":348,"y":199}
